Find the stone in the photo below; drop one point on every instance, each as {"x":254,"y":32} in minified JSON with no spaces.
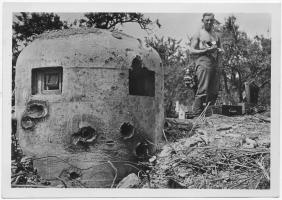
{"x":224,"y":127}
{"x":202,"y":132}
{"x":251,"y":143}
{"x":130,"y":181}
{"x":152,"y":159}
{"x":166,"y":151}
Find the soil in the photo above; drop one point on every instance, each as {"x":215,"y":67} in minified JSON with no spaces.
{"x":220,"y":152}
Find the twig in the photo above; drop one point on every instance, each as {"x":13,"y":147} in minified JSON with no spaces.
{"x":245,"y":155}
{"x":199,"y":117}
{"x":15,"y":175}
{"x":242,"y":182}
{"x":263,"y":171}
{"x":150,"y":142}
{"x":238,"y":164}
{"x":62,"y":181}
{"x":165,"y":136}
{"x":133,"y":166}
{"x":80,"y":183}
{"x":115,"y":169}
{"x":258,"y":182}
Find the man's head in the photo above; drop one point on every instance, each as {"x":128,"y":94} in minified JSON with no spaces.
{"x":208,"y":20}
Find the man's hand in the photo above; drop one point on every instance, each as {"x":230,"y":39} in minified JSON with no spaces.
{"x":211,"y":49}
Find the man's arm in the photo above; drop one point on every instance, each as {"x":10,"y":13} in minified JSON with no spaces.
{"x":195,"y":44}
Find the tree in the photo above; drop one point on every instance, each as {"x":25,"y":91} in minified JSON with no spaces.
{"x":244,"y":59}
{"x":175,"y":61}
{"x":110,"y":20}
{"x":28,"y":25}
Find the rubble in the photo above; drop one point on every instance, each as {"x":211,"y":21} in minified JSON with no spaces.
{"x":224,"y":127}
{"x":223,"y":153}
{"x":130,"y":181}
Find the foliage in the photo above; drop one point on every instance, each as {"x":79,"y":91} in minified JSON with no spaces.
{"x":175,"y":60}
{"x":244,"y":60}
{"x":110,"y":20}
{"x":27,"y":25}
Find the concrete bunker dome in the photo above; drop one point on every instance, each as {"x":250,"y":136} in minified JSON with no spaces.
{"x":91,"y":94}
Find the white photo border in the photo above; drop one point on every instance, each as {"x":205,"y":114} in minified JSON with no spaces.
{"x":8,"y":8}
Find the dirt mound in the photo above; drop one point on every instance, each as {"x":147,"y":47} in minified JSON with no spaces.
{"x":220,"y":153}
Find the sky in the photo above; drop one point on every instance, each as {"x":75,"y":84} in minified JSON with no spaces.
{"x":181,"y":25}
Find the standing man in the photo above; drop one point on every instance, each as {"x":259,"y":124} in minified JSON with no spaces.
{"x":205,"y":46}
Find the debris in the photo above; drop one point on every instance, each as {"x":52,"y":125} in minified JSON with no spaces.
{"x":211,"y":160}
{"x":130,"y":181}
{"x":224,"y":127}
{"x":251,"y":143}
{"x":193,"y":142}
{"x":202,"y":132}
{"x":153,"y":159}
{"x":172,"y":183}
{"x":266,"y":144}
{"x":263,"y":118}
{"x":115,"y":169}
{"x":166,"y":151}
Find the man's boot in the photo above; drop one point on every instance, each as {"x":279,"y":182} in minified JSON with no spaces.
{"x":197,"y":108}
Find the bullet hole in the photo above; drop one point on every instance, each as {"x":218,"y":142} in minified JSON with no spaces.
{"x":142,"y":150}
{"x":35,"y":110}
{"x":74,"y":175}
{"x":27,"y":123}
{"x":84,"y":137}
{"x":87,"y":132}
{"x":127,"y":130}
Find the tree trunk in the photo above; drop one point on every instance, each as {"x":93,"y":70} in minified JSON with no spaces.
{"x":225,"y":82}
{"x":240,"y":86}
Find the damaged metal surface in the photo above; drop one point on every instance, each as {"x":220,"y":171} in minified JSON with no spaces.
{"x":93,"y":115}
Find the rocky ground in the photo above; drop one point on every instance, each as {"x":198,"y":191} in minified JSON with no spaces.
{"x":220,"y":152}
{"x":217,"y":152}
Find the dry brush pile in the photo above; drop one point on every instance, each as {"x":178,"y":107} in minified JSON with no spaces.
{"x":198,"y":161}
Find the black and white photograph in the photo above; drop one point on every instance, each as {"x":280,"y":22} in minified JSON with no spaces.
{"x":170,"y":98}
